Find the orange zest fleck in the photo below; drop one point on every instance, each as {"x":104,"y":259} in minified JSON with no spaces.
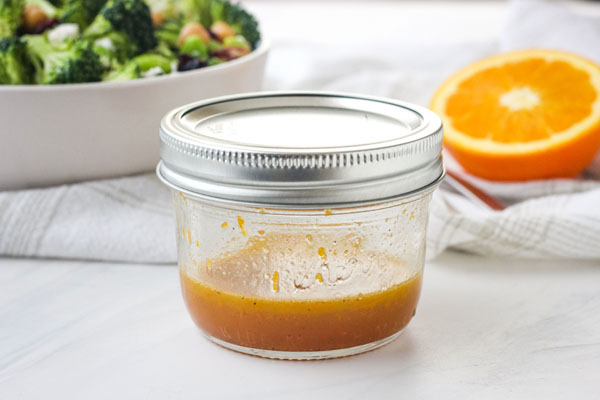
{"x":319,"y":277}
{"x":241,"y":223}
{"x":322,"y":253}
{"x":275,"y":281}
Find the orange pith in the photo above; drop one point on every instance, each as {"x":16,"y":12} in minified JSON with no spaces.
{"x":529,"y":114}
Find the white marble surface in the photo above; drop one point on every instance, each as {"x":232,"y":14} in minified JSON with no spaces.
{"x":484,"y":329}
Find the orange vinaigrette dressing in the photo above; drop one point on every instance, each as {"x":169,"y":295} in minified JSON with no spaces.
{"x":301,"y":325}
{"x":287,"y":324}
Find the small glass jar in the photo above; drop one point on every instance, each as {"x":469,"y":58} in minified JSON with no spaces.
{"x":301,"y":218}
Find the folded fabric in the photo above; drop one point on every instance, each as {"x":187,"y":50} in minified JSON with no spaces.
{"x":127,"y":219}
{"x":130,"y":219}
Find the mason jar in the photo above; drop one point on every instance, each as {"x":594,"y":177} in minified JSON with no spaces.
{"x":301,"y":218}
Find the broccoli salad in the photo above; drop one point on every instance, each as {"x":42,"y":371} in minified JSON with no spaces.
{"x":75,"y":41}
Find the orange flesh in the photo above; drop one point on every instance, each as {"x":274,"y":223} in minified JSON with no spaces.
{"x":301,"y":325}
{"x":530,"y":114}
{"x":565,"y":98}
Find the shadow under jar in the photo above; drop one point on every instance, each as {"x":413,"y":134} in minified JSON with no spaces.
{"x":301,"y":218}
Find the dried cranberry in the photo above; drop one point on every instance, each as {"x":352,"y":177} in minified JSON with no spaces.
{"x":44,"y":26}
{"x":187,"y":63}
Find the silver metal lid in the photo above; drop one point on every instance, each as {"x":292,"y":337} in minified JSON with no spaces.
{"x":301,"y":149}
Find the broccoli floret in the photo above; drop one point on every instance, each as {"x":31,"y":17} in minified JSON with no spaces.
{"x":11,"y":12}
{"x":116,"y":46}
{"x":197,"y":11}
{"x":151,"y":61}
{"x":131,"y":17}
{"x":164,"y":50}
{"x":139,"y":67}
{"x":71,"y":62}
{"x":81,"y":12}
{"x":236,"y":41}
{"x":195,"y":47}
{"x":15,"y":67}
{"x":129,"y":71}
{"x":169,"y":31}
{"x":215,"y":61}
{"x":242,"y":22}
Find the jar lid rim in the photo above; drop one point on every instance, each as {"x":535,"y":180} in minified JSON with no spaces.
{"x":296,"y":148}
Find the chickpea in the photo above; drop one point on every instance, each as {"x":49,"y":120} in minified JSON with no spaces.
{"x":33,"y":16}
{"x":193,"y":29}
{"x":158,"y":18}
{"x":230,"y":53}
{"x":222,"y":30}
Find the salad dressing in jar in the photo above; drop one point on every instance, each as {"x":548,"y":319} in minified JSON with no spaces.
{"x":301,"y":218}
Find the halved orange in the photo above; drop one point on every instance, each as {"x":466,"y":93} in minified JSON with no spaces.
{"x":529,"y":114}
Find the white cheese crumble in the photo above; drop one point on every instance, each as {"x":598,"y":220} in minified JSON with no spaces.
{"x":63,"y":32}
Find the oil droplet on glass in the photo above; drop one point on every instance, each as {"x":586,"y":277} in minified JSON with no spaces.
{"x":197,"y":243}
{"x":241,"y":223}
{"x":327,"y":212}
{"x":208,"y":263}
{"x":224,"y":224}
{"x":322,"y":253}
{"x":275,"y":281}
{"x":189,"y":235}
{"x":262,"y":211}
{"x":261,"y":232}
{"x":403,"y":212}
{"x":183,"y":232}
{"x":309,"y":239}
{"x":412,"y":215}
{"x":183,"y":196}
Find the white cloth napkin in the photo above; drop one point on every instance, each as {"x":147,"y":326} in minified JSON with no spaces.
{"x":130,"y":219}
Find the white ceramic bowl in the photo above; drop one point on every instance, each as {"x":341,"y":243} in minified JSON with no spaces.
{"x":65,"y":133}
